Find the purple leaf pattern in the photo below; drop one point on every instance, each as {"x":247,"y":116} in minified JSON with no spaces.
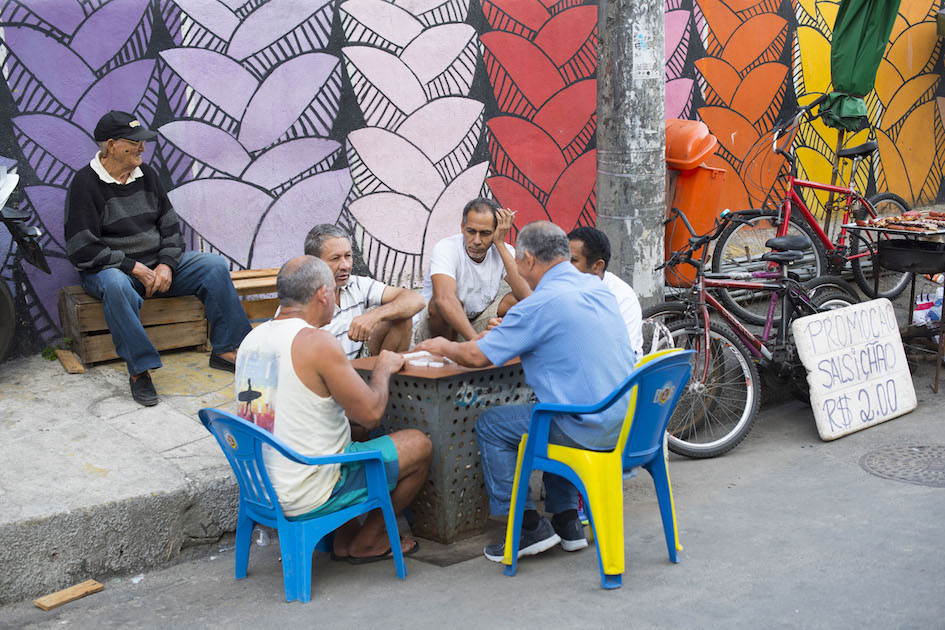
{"x":411,"y":66}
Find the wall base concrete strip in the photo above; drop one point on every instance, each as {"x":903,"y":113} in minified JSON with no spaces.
{"x":43,"y":555}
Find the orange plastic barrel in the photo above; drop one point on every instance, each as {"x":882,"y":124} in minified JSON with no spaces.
{"x":692,"y":187}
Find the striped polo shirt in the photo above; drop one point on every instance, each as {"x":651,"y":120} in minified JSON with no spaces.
{"x":358,"y":295}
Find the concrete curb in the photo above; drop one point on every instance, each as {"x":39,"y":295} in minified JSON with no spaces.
{"x":93,"y":485}
{"x":45,"y":555}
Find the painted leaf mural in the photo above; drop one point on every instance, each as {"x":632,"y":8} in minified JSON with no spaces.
{"x":411,"y":76}
{"x":743,"y":83}
{"x":541,"y":62}
{"x":388,"y":116}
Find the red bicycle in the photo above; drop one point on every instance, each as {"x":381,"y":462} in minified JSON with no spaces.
{"x":741,"y":246}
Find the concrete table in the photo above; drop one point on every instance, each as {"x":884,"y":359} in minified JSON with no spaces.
{"x":444,"y":403}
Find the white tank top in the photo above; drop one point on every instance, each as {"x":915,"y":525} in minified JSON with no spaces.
{"x":270,"y":394}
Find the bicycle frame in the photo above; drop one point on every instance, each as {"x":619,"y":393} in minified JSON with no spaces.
{"x":758,"y":346}
{"x":794,"y":198}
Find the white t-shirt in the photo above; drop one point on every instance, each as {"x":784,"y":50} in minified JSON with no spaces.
{"x":477,"y":284}
{"x":358,"y":295}
{"x":629,"y":309}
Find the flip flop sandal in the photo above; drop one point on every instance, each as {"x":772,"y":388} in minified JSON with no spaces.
{"x":378,"y":558}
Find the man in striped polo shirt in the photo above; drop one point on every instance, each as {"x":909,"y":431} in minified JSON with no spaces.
{"x":124,"y":238}
{"x":370,"y":316}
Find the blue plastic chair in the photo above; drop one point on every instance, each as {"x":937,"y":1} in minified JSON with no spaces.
{"x":655,"y":386}
{"x":242,"y":443}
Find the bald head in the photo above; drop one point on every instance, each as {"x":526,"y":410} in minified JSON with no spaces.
{"x":301,"y":278}
{"x":545,"y":241}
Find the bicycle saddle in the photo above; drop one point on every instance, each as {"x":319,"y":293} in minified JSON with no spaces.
{"x":791,"y":241}
{"x":863,"y":149}
{"x":783,"y":258}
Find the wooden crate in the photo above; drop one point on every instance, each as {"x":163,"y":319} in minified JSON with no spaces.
{"x":252,"y":285}
{"x":177,"y":322}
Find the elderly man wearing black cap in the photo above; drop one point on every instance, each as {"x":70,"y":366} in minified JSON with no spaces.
{"x":124,"y":238}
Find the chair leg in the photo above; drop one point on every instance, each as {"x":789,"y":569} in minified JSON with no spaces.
{"x":296,"y":566}
{"x":393,"y":534}
{"x":604,"y":495}
{"x":664,"y":494}
{"x":513,"y":529}
{"x":244,"y":534}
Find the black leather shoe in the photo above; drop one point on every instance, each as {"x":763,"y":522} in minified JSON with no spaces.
{"x":142,"y":390}
{"x":219,"y":363}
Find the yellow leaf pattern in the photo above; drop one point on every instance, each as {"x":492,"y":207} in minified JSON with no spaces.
{"x":902,"y":108}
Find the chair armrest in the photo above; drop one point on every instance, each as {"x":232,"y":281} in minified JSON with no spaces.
{"x":340,"y":458}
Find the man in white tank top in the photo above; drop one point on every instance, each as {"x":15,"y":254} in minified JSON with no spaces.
{"x":293,"y":379}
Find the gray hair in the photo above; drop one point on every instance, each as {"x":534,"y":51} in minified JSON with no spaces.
{"x":103,"y":147}
{"x":319,"y":234}
{"x":543,"y":240}
{"x":300,"y":278}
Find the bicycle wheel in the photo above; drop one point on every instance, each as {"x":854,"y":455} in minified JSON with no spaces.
{"x":826,"y":300}
{"x":891,"y":283}
{"x":826,"y":284}
{"x":716,"y":413}
{"x":739,"y":249}
{"x":665,"y":314}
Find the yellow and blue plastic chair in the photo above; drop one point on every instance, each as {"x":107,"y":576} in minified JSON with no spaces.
{"x":655,"y":385}
{"x":242,"y":443}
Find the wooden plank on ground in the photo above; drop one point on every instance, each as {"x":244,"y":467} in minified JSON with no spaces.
{"x":242,"y":274}
{"x":54,"y":600}
{"x":184,"y":335}
{"x":70,"y":361}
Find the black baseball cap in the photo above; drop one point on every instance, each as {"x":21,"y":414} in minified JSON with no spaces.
{"x":116,"y":124}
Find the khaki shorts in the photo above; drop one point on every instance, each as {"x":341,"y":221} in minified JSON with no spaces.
{"x":421,"y":329}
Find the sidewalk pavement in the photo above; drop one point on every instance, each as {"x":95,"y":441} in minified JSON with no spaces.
{"x":785,"y":531}
{"x":93,"y":484}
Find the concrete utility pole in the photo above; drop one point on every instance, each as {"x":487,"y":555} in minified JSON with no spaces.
{"x":631,"y":113}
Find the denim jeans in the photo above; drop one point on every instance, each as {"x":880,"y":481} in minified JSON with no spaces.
{"x":499,"y":432}
{"x":205,"y":275}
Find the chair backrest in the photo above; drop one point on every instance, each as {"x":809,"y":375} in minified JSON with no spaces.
{"x":657,"y":384}
{"x":242,"y":443}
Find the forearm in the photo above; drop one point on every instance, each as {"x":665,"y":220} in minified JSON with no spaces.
{"x":405,"y":305}
{"x":377,"y":403}
{"x":453,"y":313}
{"x":520,"y":288}
{"x":466,"y":354}
{"x":172,"y":241}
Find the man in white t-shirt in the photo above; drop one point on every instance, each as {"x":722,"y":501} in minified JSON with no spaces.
{"x":370,"y":316}
{"x":590,"y":253}
{"x":472,"y":276}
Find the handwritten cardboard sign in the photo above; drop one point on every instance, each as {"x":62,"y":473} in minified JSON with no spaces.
{"x":856,"y":367}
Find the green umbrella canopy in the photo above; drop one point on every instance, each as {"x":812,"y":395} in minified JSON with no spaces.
{"x":860,"y":34}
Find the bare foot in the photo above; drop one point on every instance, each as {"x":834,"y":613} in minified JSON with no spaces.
{"x":406,"y":545}
{"x":343,"y":537}
{"x":229,"y":356}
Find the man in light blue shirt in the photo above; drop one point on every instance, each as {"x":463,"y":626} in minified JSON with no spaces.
{"x":575,"y":350}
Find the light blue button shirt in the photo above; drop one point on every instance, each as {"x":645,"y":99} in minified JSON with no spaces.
{"x":574,"y":348}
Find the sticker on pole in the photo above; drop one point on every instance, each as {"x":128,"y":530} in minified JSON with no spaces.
{"x":856,"y":367}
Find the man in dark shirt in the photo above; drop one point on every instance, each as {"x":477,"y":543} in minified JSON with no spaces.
{"x":124,"y":238}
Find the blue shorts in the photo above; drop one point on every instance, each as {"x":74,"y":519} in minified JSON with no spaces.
{"x":351,"y":487}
